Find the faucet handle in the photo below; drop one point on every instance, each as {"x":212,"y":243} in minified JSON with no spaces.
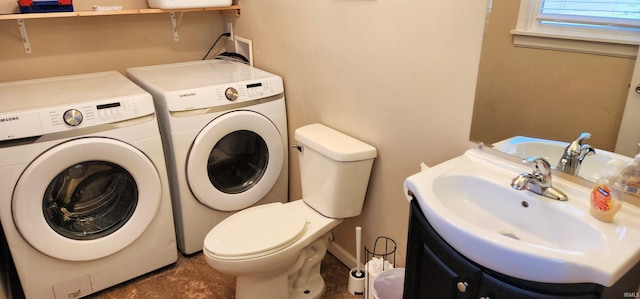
{"x":541,"y":164}
{"x":542,"y":170}
{"x":576,"y":146}
{"x":583,"y":136}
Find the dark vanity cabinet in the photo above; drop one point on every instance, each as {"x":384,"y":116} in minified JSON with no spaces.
{"x":436,"y":270}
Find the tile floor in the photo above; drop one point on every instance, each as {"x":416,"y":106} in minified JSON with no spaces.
{"x":192,"y":278}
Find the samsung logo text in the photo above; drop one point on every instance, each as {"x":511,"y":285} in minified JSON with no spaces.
{"x":188,"y":94}
{"x":8,"y":119}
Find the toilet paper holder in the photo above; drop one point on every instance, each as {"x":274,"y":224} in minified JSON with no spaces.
{"x":384,"y":248}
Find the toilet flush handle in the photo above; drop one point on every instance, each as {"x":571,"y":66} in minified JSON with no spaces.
{"x":298,"y":147}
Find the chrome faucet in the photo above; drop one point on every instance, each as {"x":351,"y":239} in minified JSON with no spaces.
{"x":539,"y":181}
{"x":574,"y":153}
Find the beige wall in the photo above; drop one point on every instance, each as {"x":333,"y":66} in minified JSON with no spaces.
{"x":542,"y":93}
{"x":398,"y":74}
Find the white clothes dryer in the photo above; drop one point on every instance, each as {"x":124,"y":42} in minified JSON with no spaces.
{"x":224,"y":128}
{"x":85,"y":202}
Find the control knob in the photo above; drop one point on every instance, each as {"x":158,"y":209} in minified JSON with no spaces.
{"x":231,"y":94}
{"x":72,"y":117}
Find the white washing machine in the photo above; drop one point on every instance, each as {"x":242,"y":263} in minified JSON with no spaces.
{"x":224,"y":128}
{"x":85,"y":200}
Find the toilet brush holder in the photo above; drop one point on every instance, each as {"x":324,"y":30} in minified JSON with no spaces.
{"x":356,"y":281}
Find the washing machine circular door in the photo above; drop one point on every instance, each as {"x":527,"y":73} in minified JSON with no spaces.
{"x":86,"y":198}
{"x":235,"y":160}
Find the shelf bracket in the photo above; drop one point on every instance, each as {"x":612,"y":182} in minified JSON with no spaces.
{"x":175,"y":23}
{"x":230,"y":13}
{"x":23,"y":34}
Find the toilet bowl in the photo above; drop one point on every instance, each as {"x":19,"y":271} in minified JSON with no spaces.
{"x":260,"y":260}
{"x":275,"y":250}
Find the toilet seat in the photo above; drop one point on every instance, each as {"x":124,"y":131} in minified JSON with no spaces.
{"x":255,"y":232}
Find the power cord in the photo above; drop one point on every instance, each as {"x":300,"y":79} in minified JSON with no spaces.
{"x":227,"y":34}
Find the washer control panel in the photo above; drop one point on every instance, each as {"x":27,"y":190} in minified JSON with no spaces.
{"x":29,"y":123}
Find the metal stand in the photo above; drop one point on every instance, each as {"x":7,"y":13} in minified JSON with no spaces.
{"x":384,"y":248}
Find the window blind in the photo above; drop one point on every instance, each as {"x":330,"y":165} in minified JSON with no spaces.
{"x":608,"y":13}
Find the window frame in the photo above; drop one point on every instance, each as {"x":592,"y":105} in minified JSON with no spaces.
{"x":530,"y":33}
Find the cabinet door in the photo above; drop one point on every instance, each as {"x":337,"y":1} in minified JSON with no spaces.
{"x":433,"y":269}
{"x":493,"y":288}
{"x":440,"y":281}
{"x":436,"y":270}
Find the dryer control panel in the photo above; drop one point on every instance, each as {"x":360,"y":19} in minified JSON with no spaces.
{"x":224,"y":94}
{"x":205,"y":84}
{"x":36,"y":122}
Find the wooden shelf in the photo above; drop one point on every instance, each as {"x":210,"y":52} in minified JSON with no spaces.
{"x":233,"y":9}
{"x":175,"y":19}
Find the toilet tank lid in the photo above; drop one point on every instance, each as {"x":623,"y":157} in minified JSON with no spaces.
{"x":334,"y":144}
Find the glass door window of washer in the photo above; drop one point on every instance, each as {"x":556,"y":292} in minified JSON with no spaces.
{"x":90,"y":200}
{"x":86,"y":198}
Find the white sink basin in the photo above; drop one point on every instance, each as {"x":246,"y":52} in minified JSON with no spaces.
{"x":483,"y":203}
{"x":469,"y":201}
{"x":592,"y":167}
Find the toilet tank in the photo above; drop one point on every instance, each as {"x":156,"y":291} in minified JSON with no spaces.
{"x":334,"y":170}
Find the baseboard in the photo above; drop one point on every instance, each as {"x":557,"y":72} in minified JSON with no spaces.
{"x":342,"y":255}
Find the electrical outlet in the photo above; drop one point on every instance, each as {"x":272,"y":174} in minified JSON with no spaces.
{"x":244,"y":47}
{"x":229,"y":28}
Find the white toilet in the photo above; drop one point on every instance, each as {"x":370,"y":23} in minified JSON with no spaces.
{"x":275,"y":250}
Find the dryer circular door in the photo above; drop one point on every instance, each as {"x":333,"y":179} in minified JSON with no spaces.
{"x":235,"y":160}
{"x":86,"y":198}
